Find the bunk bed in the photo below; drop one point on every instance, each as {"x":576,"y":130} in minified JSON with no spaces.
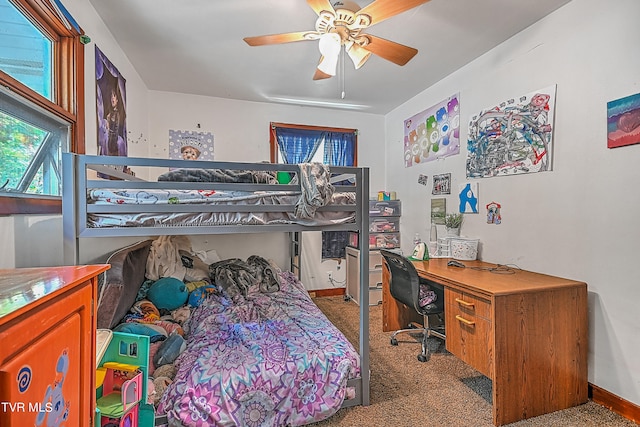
{"x":125,"y":205}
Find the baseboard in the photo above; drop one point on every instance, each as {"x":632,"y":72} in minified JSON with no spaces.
{"x":332,"y":292}
{"x":615,"y":403}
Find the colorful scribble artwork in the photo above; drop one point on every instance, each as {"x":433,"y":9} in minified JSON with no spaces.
{"x":514,"y":137}
{"x":433,"y":133}
{"x":623,"y":121}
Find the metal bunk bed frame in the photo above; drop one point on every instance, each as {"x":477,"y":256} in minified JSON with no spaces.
{"x":77,"y":181}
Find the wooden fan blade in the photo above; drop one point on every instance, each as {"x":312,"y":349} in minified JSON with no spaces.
{"x":278,"y":38}
{"x":319,"y":6}
{"x":319,"y":75}
{"x":391,"y":51}
{"x":379,"y":10}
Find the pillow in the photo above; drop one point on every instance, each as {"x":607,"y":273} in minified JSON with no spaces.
{"x":121,"y":283}
{"x":168,"y":293}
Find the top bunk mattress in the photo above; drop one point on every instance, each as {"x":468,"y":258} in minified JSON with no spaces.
{"x":211,"y":208}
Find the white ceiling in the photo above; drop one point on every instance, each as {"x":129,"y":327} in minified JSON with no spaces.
{"x":197,"y":47}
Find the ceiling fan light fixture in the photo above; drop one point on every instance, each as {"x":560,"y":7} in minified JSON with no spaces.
{"x":358,"y":55}
{"x":329,"y":46}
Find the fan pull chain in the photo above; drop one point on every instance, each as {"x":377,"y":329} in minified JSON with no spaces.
{"x":342,"y":76}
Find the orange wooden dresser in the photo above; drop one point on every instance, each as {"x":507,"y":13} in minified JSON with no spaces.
{"x":47,"y":345}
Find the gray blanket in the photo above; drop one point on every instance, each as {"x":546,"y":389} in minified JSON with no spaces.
{"x":219,"y":175}
{"x":236,"y":277}
{"x":317,"y":190}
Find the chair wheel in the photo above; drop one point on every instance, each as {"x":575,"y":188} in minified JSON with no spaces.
{"x":422,"y":358}
{"x":394,"y":341}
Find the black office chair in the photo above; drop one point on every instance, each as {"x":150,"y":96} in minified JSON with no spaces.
{"x":404,"y":285}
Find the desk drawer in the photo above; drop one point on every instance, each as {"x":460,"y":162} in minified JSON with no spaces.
{"x":468,"y":330}
{"x":470,"y":305}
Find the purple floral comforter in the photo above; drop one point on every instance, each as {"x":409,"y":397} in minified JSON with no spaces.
{"x":264,"y":359}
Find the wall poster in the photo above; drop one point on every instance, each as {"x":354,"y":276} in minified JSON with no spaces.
{"x":433,"y":133}
{"x":468,"y":196}
{"x":111,"y":103}
{"x":513,"y":137}
{"x":190,"y":145}
{"x":623,"y":121}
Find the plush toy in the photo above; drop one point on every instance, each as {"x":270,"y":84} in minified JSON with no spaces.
{"x":168,"y":293}
{"x":160,"y":384}
{"x":200,"y":294}
{"x":181,"y":315}
{"x":168,"y":371}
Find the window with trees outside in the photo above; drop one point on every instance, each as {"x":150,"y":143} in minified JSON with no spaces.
{"x":41,"y":102}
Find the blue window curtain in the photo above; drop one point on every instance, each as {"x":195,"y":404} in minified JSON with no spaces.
{"x":340,"y":148}
{"x":298,"y":145}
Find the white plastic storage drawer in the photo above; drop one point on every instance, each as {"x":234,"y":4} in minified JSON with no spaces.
{"x":384,"y":240}
{"x":384,"y":225}
{"x":384,"y":208}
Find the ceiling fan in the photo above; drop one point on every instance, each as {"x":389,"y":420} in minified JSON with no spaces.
{"x":342,"y":24}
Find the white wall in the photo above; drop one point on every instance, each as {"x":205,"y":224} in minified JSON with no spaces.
{"x":241,"y":133}
{"x":578,"y":221}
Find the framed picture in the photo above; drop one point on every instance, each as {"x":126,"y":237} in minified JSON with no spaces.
{"x":441,"y":184}
{"x":438,"y":210}
{"x":512,"y":137}
{"x":623,"y":121}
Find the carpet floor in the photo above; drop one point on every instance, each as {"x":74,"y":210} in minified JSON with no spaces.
{"x":444,"y":391}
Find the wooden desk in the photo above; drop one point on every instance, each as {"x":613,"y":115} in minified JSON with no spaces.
{"x":526,"y":331}
{"x":48,"y":353}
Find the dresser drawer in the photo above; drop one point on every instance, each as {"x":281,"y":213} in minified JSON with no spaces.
{"x":468,"y":329}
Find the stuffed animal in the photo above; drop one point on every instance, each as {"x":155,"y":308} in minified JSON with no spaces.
{"x":160,"y":384}
{"x":168,"y":371}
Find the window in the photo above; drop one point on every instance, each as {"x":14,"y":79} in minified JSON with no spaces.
{"x":41,"y":102}
{"x":332,"y":146}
